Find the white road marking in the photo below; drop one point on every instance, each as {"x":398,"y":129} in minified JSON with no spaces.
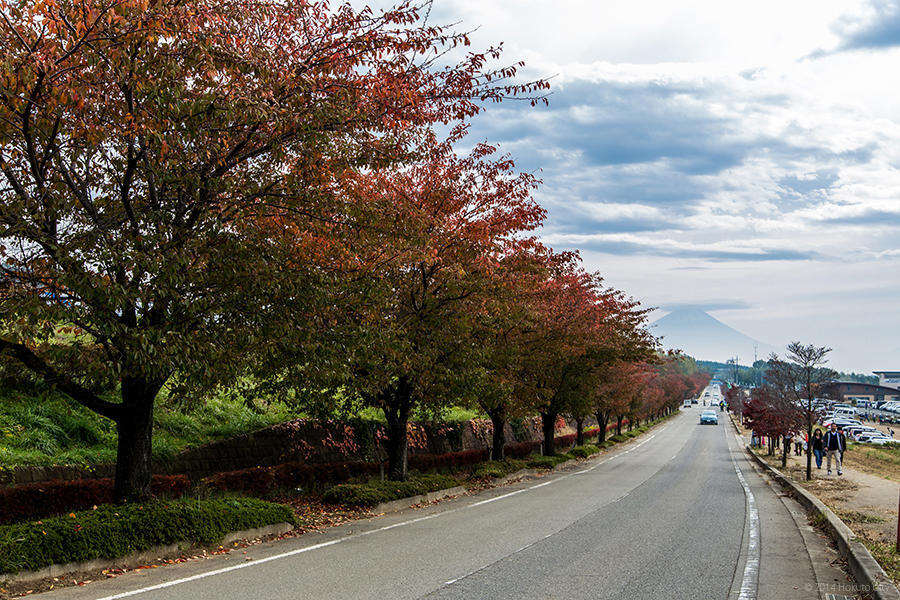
{"x":750,"y":581}
{"x":260,"y":561}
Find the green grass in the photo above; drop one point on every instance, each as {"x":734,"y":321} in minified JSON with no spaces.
{"x":547,"y":462}
{"x":584,"y":451}
{"x":377,"y":491}
{"x":498,"y":468}
{"x":886,"y":555}
{"x":51,"y":430}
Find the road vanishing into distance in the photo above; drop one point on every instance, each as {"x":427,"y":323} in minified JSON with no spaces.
{"x":677,"y":513}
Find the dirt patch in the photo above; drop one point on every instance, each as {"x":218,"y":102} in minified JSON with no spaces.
{"x":881,"y":461}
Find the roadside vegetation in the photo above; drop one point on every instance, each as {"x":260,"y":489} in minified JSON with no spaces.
{"x":883,"y":461}
{"x":114,"y":531}
{"x":45,"y":428}
{"x":205,"y":514}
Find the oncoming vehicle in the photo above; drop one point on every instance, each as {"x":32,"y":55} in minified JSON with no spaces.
{"x":709,"y":417}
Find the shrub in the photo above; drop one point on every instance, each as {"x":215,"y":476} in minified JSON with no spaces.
{"x":521,"y":450}
{"x":547,"y":462}
{"x":119,"y":530}
{"x":48,"y":498}
{"x":262,"y":480}
{"x":498,"y":468}
{"x":448,"y":461}
{"x":377,"y":491}
{"x":584,"y":451}
{"x":259,"y":481}
{"x":618,"y":438}
{"x":564,"y":440}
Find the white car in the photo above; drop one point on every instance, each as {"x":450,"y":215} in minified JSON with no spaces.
{"x":881,"y":441}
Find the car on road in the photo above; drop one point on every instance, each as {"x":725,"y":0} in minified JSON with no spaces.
{"x":709,"y":417}
{"x":687,"y":402}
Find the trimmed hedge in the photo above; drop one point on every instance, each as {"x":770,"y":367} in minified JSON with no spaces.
{"x":521,"y":450}
{"x":262,"y":480}
{"x":114,"y":531}
{"x":448,"y":461}
{"x":35,"y":500}
{"x":377,"y":491}
{"x":498,"y":468}
{"x":548,"y":462}
{"x":584,"y":451}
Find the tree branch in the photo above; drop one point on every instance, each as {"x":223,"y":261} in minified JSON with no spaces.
{"x":80,"y":394}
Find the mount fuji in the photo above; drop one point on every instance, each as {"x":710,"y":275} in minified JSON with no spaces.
{"x":704,"y":337}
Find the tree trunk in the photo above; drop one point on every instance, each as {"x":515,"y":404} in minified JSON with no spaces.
{"x":784,"y":451}
{"x":396,"y":412}
{"x":498,"y":422}
{"x":619,"y":419}
{"x":134,"y":469}
{"x":579,"y":432}
{"x":548,"y":426}
{"x":602,"y":421}
{"x":809,"y":434}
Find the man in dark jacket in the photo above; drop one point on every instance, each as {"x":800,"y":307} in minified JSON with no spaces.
{"x":835,"y":443}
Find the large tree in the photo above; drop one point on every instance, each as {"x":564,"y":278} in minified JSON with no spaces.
{"x":801,"y":378}
{"x":168,"y":176}
{"x":579,"y":326}
{"x":447,"y":226}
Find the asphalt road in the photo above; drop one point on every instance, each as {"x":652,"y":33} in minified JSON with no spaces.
{"x":666,"y":516}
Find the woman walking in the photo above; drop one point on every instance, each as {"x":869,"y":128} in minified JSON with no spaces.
{"x":818,"y":447}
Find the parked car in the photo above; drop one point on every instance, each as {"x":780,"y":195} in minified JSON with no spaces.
{"x":855,"y":432}
{"x":709,"y":417}
{"x":881,"y":441}
{"x":869,"y":438}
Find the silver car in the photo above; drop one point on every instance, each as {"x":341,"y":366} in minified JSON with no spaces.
{"x":709,"y":417}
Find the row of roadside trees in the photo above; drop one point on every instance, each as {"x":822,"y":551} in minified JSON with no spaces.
{"x":197,"y":195}
{"x":785,"y":404}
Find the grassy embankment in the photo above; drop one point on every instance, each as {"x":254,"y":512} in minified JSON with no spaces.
{"x":48,"y":429}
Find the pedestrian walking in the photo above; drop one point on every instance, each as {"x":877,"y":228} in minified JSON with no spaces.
{"x":835,"y":444}
{"x":798,"y":446}
{"x":818,"y":447}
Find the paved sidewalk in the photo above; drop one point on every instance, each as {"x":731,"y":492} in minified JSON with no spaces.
{"x":797,"y":560}
{"x":865,"y":502}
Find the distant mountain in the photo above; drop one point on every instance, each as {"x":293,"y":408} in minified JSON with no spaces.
{"x":704,"y":337}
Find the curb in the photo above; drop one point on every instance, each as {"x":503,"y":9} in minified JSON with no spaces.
{"x":395,"y":505}
{"x":151,"y":554}
{"x":864,"y":568}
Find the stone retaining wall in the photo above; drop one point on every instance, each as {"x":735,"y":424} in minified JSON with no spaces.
{"x":301,"y":440}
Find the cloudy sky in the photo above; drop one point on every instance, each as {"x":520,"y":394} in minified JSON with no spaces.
{"x":740,"y":157}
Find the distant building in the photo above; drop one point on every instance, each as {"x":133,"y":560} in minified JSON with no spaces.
{"x":853,"y":391}
{"x":889,"y":379}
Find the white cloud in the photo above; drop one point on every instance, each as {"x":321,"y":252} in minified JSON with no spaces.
{"x":692,"y":150}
